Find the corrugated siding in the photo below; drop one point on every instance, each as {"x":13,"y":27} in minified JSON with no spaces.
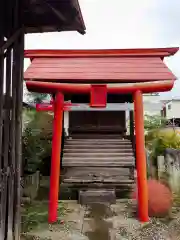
{"x":109,"y":69}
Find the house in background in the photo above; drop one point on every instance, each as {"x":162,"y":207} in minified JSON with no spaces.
{"x":171,"y":111}
{"x":152,"y":106}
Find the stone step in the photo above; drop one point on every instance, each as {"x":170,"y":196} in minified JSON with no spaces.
{"x":97,"y":196}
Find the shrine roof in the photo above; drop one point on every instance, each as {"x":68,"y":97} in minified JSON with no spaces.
{"x":50,"y":16}
{"x":99,"y":66}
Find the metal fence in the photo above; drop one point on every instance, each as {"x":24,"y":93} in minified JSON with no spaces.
{"x":11,"y":88}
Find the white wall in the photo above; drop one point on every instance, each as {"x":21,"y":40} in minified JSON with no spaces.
{"x":151,"y":98}
{"x":66,"y":122}
{"x":152,"y":112}
{"x":174,"y":111}
{"x":127,"y":115}
{"x":155,"y":107}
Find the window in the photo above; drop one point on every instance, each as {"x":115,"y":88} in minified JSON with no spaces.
{"x":169,"y":107}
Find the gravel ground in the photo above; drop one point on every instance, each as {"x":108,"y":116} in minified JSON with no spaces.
{"x":104,"y":222}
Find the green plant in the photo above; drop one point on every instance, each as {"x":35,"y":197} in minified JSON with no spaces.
{"x":37,"y":97}
{"x":35,"y":215}
{"x":31,"y":151}
{"x":35,"y":144}
{"x":34,"y":150}
{"x":157,"y":142}
{"x":154,"y":122}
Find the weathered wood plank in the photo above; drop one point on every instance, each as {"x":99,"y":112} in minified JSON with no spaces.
{"x":99,"y":142}
{"x":96,"y":146}
{"x":95,"y":135}
{"x":104,"y":140}
{"x":98,"y":150}
{"x":5,"y":155}
{"x":18,"y":140}
{"x":101,"y":155}
{"x":85,"y":186}
{"x":99,"y":164}
{"x":94,"y":162}
{"x":10,"y":78}
{"x":12,"y":159}
{"x":103,"y":158}
{"x":1,"y":126}
{"x":98,"y":171}
{"x":109,"y":181}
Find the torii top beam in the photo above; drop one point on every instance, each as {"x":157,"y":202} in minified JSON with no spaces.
{"x":122,"y":66}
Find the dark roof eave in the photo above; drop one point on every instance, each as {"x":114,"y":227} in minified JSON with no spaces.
{"x":59,"y":15}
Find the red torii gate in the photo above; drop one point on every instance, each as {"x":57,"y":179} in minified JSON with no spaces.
{"x":154,"y":79}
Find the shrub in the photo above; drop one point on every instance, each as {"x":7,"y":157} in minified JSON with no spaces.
{"x":157,"y":141}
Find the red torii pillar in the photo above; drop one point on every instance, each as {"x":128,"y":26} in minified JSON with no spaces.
{"x":57,"y":106}
{"x":55,"y":157}
{"x":141,"y":158}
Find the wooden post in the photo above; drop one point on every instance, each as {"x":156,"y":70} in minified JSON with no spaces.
{"x":131,"y":128}
{"x":55,"y":159}
{"x":17,"y":158}
{"x":131,"y":118}
{"x":141,"y":158}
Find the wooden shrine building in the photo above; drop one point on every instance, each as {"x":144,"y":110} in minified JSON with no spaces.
{"x":94,"y":86}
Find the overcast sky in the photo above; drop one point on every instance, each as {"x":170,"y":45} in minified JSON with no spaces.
{"x":121,"y":24}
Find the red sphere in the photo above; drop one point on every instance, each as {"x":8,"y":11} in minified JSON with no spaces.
{"x":159,"y":198}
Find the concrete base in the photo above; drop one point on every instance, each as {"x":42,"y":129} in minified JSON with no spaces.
{"x":97,"y":196}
